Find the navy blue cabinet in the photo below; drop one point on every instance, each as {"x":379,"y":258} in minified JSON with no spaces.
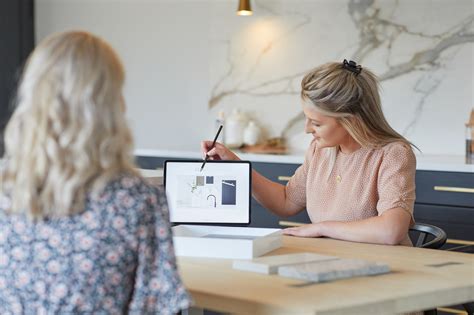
{"x":277,"y":172}
{"x":446,"y":199}
{"x":445,"y":188}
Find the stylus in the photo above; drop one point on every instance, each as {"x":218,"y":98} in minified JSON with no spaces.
{"x":212,"y":146}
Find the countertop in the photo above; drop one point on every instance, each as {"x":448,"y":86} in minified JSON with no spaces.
{"x":444,"y":163}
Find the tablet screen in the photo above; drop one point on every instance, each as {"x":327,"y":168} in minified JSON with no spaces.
{"x":219,"y":194}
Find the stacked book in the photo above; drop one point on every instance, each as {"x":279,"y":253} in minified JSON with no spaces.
{"x":312,"y":267}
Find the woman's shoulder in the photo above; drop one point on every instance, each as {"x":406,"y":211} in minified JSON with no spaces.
{"x":132,"y":181}
{"x":130,"y":189}
{"x":398,"y":152}
{"x":397,"y":147}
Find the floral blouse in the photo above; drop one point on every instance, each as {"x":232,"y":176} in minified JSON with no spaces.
{"x":116,"y":257}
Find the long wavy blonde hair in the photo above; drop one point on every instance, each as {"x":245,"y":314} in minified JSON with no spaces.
{"x":351,"y":98}
{"x":68,"y":135}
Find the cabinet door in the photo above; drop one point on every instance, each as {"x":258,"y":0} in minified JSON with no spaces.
{"x":445,"y":188}
{"x":261,"y":217}
{"x":277,"y":172}
{"x":457,"y":222}
{"x":153,"y":162}
{"x":280,"y":173}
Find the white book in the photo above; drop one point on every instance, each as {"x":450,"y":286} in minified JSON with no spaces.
{"x":270,"y":264}
{"x":322,"y":271}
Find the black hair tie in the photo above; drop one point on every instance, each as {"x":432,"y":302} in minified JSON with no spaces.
{"x":352,"y":66}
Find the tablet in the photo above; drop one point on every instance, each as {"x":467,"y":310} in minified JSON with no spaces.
{"x":219,"y":194}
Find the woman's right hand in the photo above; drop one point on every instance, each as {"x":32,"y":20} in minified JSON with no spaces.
{"x":219,"y":152}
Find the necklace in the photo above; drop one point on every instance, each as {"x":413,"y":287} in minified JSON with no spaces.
{"x":338,"y":178}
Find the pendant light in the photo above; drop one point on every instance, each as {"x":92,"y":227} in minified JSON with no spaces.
{"x":244,"y":8}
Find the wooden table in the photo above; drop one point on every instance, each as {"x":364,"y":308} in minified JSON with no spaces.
{"x":420,"y":279}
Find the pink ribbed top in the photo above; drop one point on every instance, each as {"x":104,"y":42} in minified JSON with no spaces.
{"x":362,"y":184}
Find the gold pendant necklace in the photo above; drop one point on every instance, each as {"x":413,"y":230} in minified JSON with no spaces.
{"x":338,"y":178}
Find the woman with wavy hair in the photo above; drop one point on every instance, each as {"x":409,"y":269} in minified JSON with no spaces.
{"x":80,"y":230}
{"x":357,"y":181}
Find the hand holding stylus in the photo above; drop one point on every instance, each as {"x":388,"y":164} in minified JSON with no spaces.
{"x":212,"y":146}
{"x":217,"y":151}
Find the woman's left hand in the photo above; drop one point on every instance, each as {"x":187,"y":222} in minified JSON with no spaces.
{"x":307,"y":230}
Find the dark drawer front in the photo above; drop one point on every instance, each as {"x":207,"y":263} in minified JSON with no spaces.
{"x":445,"y":188}
{"x":277,"y":172}
{"x":457,"y":222}
{"x":262,"y":217}
{"x":280,"y":173}
{"x":149,"y":162}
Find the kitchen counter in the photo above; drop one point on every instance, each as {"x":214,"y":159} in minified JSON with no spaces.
{"x":442,"y":163}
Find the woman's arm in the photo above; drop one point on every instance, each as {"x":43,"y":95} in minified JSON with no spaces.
{"x":389,"y":228}
{"x":269,"y":194}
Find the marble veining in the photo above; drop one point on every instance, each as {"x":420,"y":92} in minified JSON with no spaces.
{"x":411,"y":57}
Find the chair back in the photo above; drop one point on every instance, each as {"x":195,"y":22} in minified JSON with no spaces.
{"x":429,"y":236}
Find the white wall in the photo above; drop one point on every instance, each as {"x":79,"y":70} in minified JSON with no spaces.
{"x":179,"y":54}
{"x":165,"y":49}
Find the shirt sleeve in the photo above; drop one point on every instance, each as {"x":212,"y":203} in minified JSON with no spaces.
{"x":296,"y":186}
{"x":158,"y":287}
{"x":396,"y":179}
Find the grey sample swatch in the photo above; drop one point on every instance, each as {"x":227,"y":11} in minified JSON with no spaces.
{"x":322,"y":271}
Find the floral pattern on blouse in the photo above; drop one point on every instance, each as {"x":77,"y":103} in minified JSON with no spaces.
{"x":116,"y":257}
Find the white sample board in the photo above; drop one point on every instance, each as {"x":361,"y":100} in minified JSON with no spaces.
{"x":224,"y":241}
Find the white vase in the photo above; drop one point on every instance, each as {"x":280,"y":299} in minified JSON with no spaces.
{"x":251,"y":134}
{"x":234,"y":129}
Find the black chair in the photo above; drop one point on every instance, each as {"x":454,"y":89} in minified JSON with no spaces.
{"x":469,"y":307}
{"x":429,"y":236}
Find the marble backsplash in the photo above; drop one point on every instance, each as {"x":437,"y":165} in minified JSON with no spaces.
{"x":422,"y":52}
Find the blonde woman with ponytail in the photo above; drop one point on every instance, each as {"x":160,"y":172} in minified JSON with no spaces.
{"x":357,"y":182}
{"x":80,"y":231}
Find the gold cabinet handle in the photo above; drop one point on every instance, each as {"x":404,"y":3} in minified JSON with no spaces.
{"x":451,"y":310}
{"x":454,"y":189}
{"x":290,"y":223}
{"x":284,"y":178}
{"x":459,"y":242}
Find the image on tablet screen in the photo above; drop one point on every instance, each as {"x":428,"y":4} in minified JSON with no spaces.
{"x":198,"y":191}
{"x":220,"y":193}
